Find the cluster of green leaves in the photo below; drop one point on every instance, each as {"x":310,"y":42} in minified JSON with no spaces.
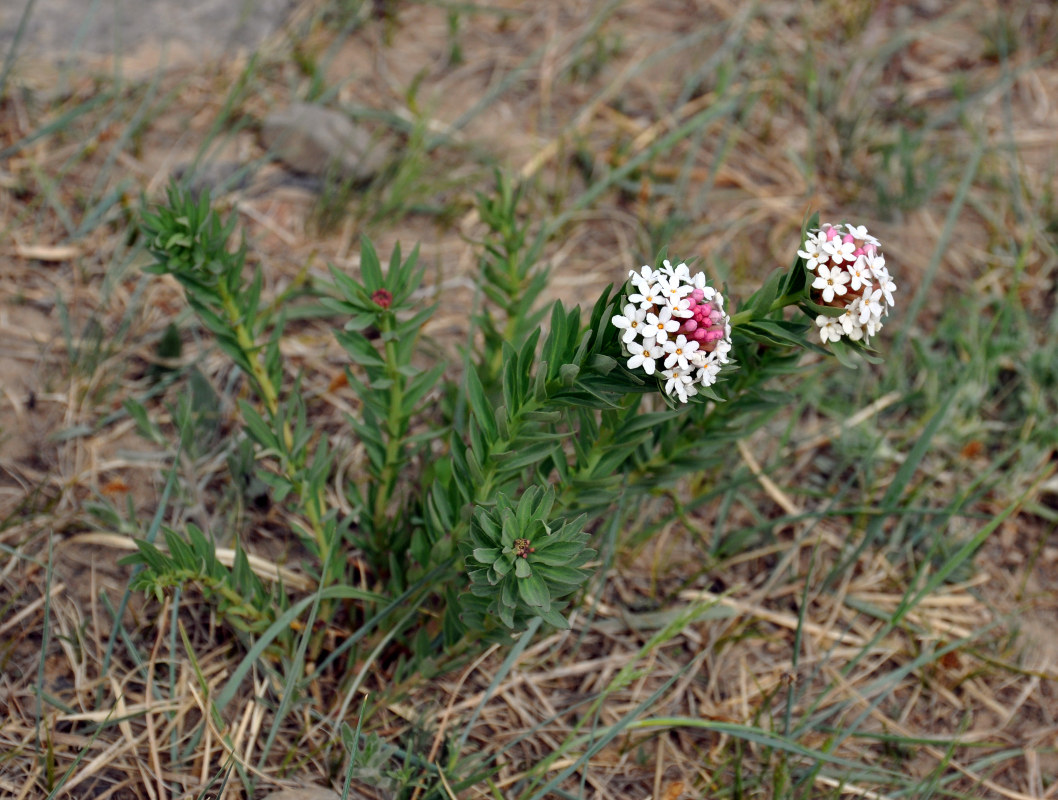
{"x":189,"y":241}
{"x":520,"y":566}
{"x":240,"y":596}
{"x":510,"y":276}
{"x":393,"y":391}
{"x":509,"y":443}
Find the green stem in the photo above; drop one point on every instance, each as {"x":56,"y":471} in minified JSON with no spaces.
{"x":249,"y":348}
{"x":394,"y":441}
{"x":742,"y":317}
{"x":270,"y":395}
{"x":609,"y":423}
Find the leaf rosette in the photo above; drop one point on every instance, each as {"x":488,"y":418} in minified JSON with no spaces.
{"x":521,"y":563}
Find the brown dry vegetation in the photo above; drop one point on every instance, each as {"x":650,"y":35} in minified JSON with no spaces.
{"x":817,"y":91}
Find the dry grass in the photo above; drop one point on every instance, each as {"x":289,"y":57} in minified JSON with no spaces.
{"x":959,"y":695}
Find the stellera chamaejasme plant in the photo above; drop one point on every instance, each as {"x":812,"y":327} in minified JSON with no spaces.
{"x":485,"y":482}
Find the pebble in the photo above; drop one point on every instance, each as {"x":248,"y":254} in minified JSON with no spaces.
{"x":313,"y":140}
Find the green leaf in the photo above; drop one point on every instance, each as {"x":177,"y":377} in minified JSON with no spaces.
{"x":843,"y":353}
{"x":480,"y":405}
{"x":354,"y":294}
{"x":509,"y":594}
{"x":359,"y":348}
{"x":453,"y":628}
{"x":778,"y":332}
{"x":567,"y":576}
{"x":507,"y":616}
{"x":603,"y":364}
{"x":420,"y":385}
{"x":554,"y":618}
{"x":149,"y":555}
{"x":522,"y":568}
{"x":370,"y":268}
{"x":534,"y":592}
{"x":558,"y":554}
{"x":760,"y":302}
{"x":486,"y":555}
{"x":258,"y":429}
{"x":513,"y":460}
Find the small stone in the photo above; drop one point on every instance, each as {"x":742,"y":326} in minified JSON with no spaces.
{"x":314,"y":140}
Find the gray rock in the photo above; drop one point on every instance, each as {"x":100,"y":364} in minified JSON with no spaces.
{"x":315,"y":140}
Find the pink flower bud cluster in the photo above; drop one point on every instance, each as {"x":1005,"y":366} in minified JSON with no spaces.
{"x":678,"y":320}
{"x":850,"y":274}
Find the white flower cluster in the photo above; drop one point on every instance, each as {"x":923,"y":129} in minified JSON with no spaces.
{"x":675,"y":318}
{"x":850,"y":274}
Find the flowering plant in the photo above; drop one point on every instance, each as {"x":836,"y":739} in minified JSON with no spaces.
{"x":481,"y":489}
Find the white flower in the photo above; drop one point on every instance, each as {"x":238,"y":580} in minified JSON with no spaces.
{"x":675,"y":289}
{"x":680,"y":272}
{"x":876,"y":262}
{"x":631,"y":322}
{"x":874,"y":324}
{"x":813,"y":252}
{"x":839,"y":250}
{"x":886,"y":286}
{"x":832,"y":281}
{"x":870,"y":306}
{"x":856,"y":278}
{"x":649,"y":297}
{"x":860,"y":274}
{"x":660,"y":325}
{"x":644,"y":355}
{"x":723,"y":347}
{"x":850,"y":319}
{"x":677,"y":318}
{"x":830,"y":329}
{"x":679,"y":383}
{"x":707,"y":374}
{"x":859,"y":233}
{"x":643,"y":279}
{"x":680,"y":351}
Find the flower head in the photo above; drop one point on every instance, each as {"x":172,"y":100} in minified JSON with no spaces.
{"x":382,"y":298}
{"x":683,"y":323}
{"x":849,"y":272}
